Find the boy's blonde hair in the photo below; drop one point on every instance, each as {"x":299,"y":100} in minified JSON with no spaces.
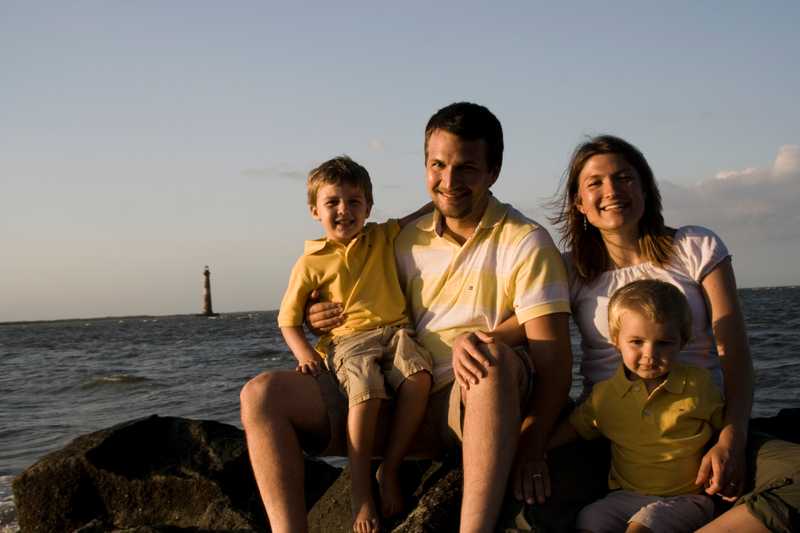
{"x":337,"y":171}
{"x":658,"y":301}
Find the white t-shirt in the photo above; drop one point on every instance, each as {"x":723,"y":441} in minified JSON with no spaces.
{"x":698,"y":251}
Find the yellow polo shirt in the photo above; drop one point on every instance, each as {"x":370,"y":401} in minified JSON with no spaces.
{"x":509,"y":265}
{"x":362,"y":276}
{"x":657,"y":441}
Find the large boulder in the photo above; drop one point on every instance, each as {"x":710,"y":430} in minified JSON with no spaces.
{"x":163,"y":474}
{"x":151,"y":474}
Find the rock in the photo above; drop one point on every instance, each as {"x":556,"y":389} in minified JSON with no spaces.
{"x":172,"y":475}
{"x":433,"y":501}
{"x":152,"y":474}
{"x":785,"y":425}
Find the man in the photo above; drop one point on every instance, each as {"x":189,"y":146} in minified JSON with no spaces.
{"x":465,"y":269}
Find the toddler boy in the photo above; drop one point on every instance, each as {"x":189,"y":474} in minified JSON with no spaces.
{"x":658,"y":414}
{"x":354,"y":264}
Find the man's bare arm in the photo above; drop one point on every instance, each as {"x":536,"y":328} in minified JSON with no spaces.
{"x":551,"y":355}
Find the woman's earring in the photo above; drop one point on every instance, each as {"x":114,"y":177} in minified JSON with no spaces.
{"x":584,"y":222}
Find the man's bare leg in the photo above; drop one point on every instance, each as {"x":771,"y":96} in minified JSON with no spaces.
{"x":276,"y":406}
{"x":739,"y":520}
{"x":361,"y":425}
{"x":491,"y":431}
{"x":412,"y":399}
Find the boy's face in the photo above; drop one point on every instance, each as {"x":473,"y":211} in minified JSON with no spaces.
{"x":647,"y":348}
{"x":342,"y":210}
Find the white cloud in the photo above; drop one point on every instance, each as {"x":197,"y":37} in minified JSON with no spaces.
{"x":725,"y":174}
{"x":787,"y":162}
{"x":753,"y":204}
{"x":377,"y":145}
{"x":756,"y":211}
{"x":274,"y":173}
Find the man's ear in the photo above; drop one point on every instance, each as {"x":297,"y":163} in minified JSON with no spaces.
{"x":314,"y":212}
{"x":495,"y":175}
{"x":369,"y":210}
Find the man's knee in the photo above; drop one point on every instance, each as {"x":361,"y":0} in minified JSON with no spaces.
{"x":506,"y":364}
{"x":258,"y":395}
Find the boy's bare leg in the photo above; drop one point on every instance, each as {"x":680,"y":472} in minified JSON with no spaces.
{"x":491,"y":431}
{"x":412,"y":399}
{"x":361,"y":426}
{"x":276,"y":406}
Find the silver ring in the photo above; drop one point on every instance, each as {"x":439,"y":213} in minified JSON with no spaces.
{"x":537,"y":475}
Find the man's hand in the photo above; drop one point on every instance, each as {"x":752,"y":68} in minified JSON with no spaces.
{"x":311,"y":366}
{"x":469,"y":361}
{"x":530,"y":478}
{"x":722,"y":469}
{"x":321,"y":317}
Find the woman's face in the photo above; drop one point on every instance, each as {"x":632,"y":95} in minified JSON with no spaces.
{"x":610,"y":194}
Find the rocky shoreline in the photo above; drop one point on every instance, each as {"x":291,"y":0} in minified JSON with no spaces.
{"x":166,"y":474}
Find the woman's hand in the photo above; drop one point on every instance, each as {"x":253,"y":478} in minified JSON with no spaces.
{"x":469,"y":361}
{"x":530,"y":477}
{"x":321,"y":317}
{"x":723,"y":468}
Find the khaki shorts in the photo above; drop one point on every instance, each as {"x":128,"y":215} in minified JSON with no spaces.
{"x":775,"y":496}
{"x":441,"y":427}
{"x":659,"y":514}
{"x":362,"y":360}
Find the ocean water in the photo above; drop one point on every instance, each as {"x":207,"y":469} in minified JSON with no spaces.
{"x":61,"y":379}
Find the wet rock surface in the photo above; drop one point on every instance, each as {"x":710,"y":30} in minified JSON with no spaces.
{"x":166,"y":475}
{"x":151,"y":474}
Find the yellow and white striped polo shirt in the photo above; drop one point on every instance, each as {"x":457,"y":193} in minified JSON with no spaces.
{"x":509,"y":265}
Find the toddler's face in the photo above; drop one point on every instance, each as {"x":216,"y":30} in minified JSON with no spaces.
{"x":342,"y":210}
{"x":647,"y":348}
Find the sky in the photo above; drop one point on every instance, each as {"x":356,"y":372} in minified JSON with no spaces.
{"x":140,"y":141}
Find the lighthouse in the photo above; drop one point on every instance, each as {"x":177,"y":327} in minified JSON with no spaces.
{"x":207,"y":309}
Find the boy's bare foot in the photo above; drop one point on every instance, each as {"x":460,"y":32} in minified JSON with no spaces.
{"x":390,"y":490}
{"x":365,"y":518}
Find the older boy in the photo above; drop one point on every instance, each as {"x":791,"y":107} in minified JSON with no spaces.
{"x":657,"y":413}
{"x":354,"y":264}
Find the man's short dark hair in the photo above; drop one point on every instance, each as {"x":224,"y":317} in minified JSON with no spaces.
{"x":471,"y":122}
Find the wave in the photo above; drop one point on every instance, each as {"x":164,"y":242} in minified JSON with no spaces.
{"x":114,"y":379}
{"x":8,"y":515}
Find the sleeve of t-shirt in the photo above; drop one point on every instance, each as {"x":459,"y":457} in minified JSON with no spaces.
{"x":294,"y":299}
{"x":584,"y":419}
{"x":702,"y":250}
{"x":391,"y":229}
{"x":539,"y":280}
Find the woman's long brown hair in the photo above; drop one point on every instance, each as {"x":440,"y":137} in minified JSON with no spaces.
{"x":589,"y":253}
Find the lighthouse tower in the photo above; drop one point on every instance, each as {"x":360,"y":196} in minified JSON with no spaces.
{"x":207,"y":309}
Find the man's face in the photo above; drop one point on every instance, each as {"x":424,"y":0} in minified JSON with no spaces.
{"x":458,"y":177}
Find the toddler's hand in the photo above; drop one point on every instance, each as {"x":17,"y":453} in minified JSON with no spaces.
{"x":312,"y":367}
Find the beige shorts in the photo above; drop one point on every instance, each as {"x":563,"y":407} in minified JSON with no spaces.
{"x":441,"y":427}
{"x":365,"y":361}
{"x":775,"y":496}
{"x":660,"y":514}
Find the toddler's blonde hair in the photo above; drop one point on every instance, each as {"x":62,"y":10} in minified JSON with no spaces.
{"x":658,"y":301}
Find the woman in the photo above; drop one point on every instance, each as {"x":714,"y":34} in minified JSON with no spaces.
{"x":612,"y":226}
